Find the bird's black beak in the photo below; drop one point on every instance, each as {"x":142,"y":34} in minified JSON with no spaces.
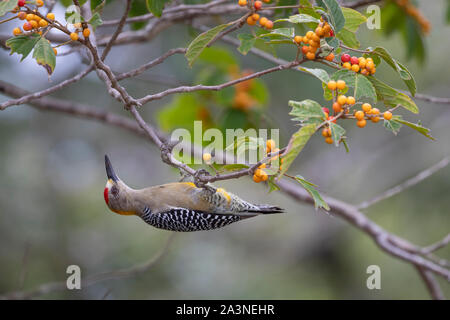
{"x":109,"y":170}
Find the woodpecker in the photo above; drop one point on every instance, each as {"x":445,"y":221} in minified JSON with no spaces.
{"x":179,"y":206}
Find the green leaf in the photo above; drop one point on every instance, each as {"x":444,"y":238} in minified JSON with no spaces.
{"x":335,"y":11}
{"x":280,"y":32}
{"x":156,"y":6}
{"x":97,"y":6}
{"x":258,"y":91}
{"x":353,"y":19}
{"x":247,"y":42}
{"x":362,"y":86}
{"x":73,"y":15}
{"x":44,"y":55}
{"x":307,"y":111}
{"x":403,"y":72}
{"x":22,"y":44}
{"x":196,"y":47}
{"x":272,"y":185}
{"x":348,"y":38}
{"x":295,"y":146}
{"x":337,"y":133}
{"x":416,"y":126}
{"x":180,"y":113}
{"x":95,"y":21}
{"x":310,"y":188}
{"x":233,"y":167}
{"x":320,"y":74}
{"x":392,"y":125}
{"x":300,"y":18}
{"x":6,"y":6}
{"x":392,"y":97}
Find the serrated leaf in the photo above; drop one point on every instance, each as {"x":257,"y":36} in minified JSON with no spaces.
{"x":156,"y":6}
{"x":307,"y":111}
{"x":6,"y":6}
{"x":353,"y":19}
{"x":295,"y":146}
{"x":99,"y":7}
{"x":196,"y":47}
{"x":300,"y":18}
{"x":310,"y":188}
{"x":22,"y":44}
{"x":419,"y":128}
{"x":73,"y":15}
{"x":320,"y":74}
{"x":348,"y":38}
{"x":95,"y":21}
{"x":392,"y":97}
{"x":337,"y":132}
{"x":44,"y":55}
{"x":403,"y":72}
{"x":392,"y":125}
{"x":335,"y":11}
{"x":247,"y":42}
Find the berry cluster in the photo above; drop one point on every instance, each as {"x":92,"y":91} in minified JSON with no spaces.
{"x":254,"y":18}
{"x":342,"y":106}
{"x":365,"y":66}
{"x":412,"y":11}
{"x":36,"y":22}
{"x":261,"y":175}
{"x":311,"y":40}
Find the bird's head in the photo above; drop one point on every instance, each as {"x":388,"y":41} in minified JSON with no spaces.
{"x":117,"y":193}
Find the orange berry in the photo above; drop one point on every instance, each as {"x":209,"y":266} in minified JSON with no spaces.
{"x":309,"y":35}
{"x":330,"y":57}
{"x":264,"y":175}
{"x":270,"y":144}
{"x":305,"y":49}
{"x":342,"y":100}
{"x":366,"y":107}
{"x":258,"y":172}
{"x":50,"y":16}
{"x":329,"y":140}
{"x":369,"y":64}
{"x":341,"y":84}
{"x":250,"y":21}
{"x":74,"y":36}
{"x":319,"y":31}
{"x":86,"y":32}
{"x":347,"y":65}
{"x":256,"y":178}
{"x":269,"y":24}
{"x":373,"y":70}
{"x":22,"y":15}
{"x":263,"y":21}
{"x":359,"y":115}
{"x":298,"y":39}
{"x":330,"y":118}
{"x":43,"y":23}
{"x":365,"y":72}
{"x":255,"y":16}
{"x":262,"y":166}
{"x":29,"y":17}
{"x":39,"y":3}
{"x":375,"y":111}
{"x":257,"y":5}
{"x":361,"y":123}
{"x":362,"y":62}
{"x":242,"y":3}
{"x":27,"y":26}
{"x":326,"y":28}
{"x":337,"y":107}
{"x":34,"y":24}
{"x":310,"y":56}
{"x":355,"y":68}
{"x":326,"y":132}
{"x":313,"y":49}
{"x":332,"y":85}
{"x":351,"y":100}
{"x":315,"y":38}
{"x":55,"y":51}
{"x":387,"y":115}
{"x":374,"y":119}
{"x":17,"y":31}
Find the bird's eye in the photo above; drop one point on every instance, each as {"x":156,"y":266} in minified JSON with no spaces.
{"x":114,"y":191}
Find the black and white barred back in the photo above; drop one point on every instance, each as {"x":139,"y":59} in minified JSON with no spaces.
{"x":185,"y":220}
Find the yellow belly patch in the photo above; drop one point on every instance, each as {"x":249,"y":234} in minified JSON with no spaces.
{"x":225,"y":194}
{"x":190,"y":184}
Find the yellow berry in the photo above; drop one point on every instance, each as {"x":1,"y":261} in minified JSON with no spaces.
{"x":77,"y":25}
{"x":74,"y":36}
{"x":256,"y":178}
{"x":22,"y":15}
{"x":341,"y":84}
{"x":332,"y":85}
{"x":329,"y":140}
{"x":263,"y":21}
{"x":29,"y":17}
{"x":297,"y":39}
{"x":326,"y":132}
{"x":39,"y":3}
{"x":361,"y":123}
{"x":362,"y":62}
{"x":375,"y":119}
{"x":351,"y":100}
{"x":255,"y":16}
{"x":309,"y":35}
{"x":50,"y":16}
{"x":319,"y":31}
{"x":55,"y":51}
{"x":242,"y":3}
{"x":342,"y":100}
{"x":263,"y":175}
{"x":43,"y":23}
{"x":347,"y":65}
{"x":375,"y":111}
{"x":359,"y":115}
{"x":366,"y":107}
{"x":250,"y":21}
{"x":310,"y":56}
{"x":387,"y":115}
{"x":262,"y":166}
{"x":206,"y":157}
{"x":17,"y":31}
{"x":369,"y":64}
{"x":355,"y":68}
{"x":270,"y":144}
{"x":34,"y":24}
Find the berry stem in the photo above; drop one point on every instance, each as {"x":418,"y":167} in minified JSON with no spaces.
{"x":9,"y":19}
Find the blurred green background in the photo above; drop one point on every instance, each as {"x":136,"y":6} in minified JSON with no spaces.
{"x":52,"y":177}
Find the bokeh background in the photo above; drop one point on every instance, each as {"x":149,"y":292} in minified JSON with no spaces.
{"x":52,"y":212}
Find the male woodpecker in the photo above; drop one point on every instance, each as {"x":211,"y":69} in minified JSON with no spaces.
{"x":179,"y":206}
